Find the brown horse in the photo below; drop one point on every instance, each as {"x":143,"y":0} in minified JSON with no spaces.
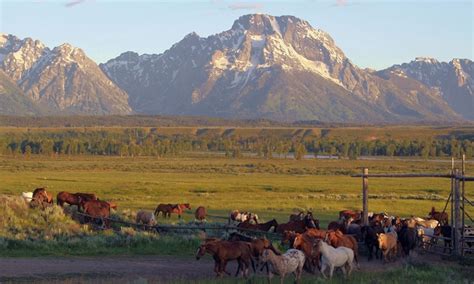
{"x":288,"y":238}
{"x":337,"y":225}
{"x":259,"y":227}
{"x":200,"y":214}
{"x":338,"y":239}
{"x":346,"y":214}
{"x":224,"y":251}
{"x":305,"y":243}
{"x":180,"y":208}
{"x":165,"y":209}
{"x":441,"y":217}
{"x":295,"y":226}
{"x":97,"y":210}
{"x":73,"y":198}
{"x":41,"y":198}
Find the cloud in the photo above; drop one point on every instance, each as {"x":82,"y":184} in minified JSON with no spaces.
{"x":74,"y":3}
{"x":245,"y":6}
{"x":341,"y":2}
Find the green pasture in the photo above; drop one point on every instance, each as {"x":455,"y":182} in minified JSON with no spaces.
{"x":273,"y":188}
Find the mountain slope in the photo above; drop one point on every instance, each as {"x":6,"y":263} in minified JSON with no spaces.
{"x":454,"y":80}
{"x":63,"y":79}
{"x":266,"y":67}
{"x":12,"y":99}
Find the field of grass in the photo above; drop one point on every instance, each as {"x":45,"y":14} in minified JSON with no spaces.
{"x":272,"y":188}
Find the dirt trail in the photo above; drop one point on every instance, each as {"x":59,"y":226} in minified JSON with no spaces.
{"x":128,"y":269}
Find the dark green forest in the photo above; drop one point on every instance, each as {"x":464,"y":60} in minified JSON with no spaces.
{"x":154,"y":142}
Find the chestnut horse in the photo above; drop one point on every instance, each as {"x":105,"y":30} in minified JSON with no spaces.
{"x":259,"y":227}
{"x":305,"y":243}
{"x":338,"y":239}
{"x":97,"y":210}
{"x":179,"y":208}
{"x":200,"y":213}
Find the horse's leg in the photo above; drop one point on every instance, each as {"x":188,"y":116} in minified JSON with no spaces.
{"x":239,"y":266}
{"x":270,"y":276}
{"x":331,"y":270}
{"x":344,"y":272}
{"x":282,"y":278}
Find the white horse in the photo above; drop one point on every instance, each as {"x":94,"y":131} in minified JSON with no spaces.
{"x":335,"y":257}
{"x":290,"y":262}
{"x":27,"y":196}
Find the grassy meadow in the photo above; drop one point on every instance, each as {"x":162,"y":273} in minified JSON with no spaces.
{"x":273,"y":188}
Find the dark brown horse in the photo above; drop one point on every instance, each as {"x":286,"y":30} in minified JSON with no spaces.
{"x":225,"y":251}
{"x":295,"y":226}
{"x":441,"y":217}
{"x":200,"y":214}
{"x":259,"y":227}
{"x":167,"y":209}
{"x":73,"y":198}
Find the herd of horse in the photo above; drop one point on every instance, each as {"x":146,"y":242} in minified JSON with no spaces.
{"x":311,"y":248}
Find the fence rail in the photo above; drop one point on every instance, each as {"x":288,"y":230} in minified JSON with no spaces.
{"x":161,"y":228}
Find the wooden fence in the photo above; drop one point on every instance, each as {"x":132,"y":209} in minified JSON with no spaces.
{"x":457,"y":197}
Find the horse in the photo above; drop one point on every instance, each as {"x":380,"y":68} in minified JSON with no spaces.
{"x":179,"y":208}
{"x":224,"y":251}
{"x":41,"y":198}
{"x":259,"y":227}
{"x":338,"y":239}
{"x":337,"y":225}
{"x":369,"y":235}
{"x":164,"y":209}
{"x":296,"y":217}
{"x":242,"y":217}
{"x":346,"y":214}
{"x":407,"y":238}
{"x":388,"y":245}
{"x":295,"y":226}
{"x":146,"y":218}
{"x":288,"y":237}
{"x":200,"y":214}
{"x":441,"y":217}
{"x":96,"y":209}
{"x":258,"y":245}
{"x":27,"y":196}
{"x":290,"y":262}
{"x":433,"y":223}
{"x":331,"y":258}
{"x":73,"y":198}
{"x":305,"y":243}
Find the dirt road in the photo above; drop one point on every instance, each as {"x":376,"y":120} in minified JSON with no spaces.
{"x":131,"y":269}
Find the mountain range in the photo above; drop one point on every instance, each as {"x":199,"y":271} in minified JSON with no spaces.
{"x":278,"y":68}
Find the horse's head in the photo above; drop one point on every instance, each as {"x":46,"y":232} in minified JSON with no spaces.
{"x":288,"y":237}
{"x":298,"y":240}
{"x":187,"y":206}
{"x":266,"y":255}
{"x":201,"y":251}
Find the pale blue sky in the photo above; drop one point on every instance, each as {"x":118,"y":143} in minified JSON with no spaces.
{"x":373,"y":34}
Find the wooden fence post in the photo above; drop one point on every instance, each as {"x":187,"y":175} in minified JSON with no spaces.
{"x":365,"y":196}
{"x":457,"y":222}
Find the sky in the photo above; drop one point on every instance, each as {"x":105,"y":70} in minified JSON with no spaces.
{"x":373,"y":34}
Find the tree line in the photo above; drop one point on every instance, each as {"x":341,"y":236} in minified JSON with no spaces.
{"x":133,"y":142}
